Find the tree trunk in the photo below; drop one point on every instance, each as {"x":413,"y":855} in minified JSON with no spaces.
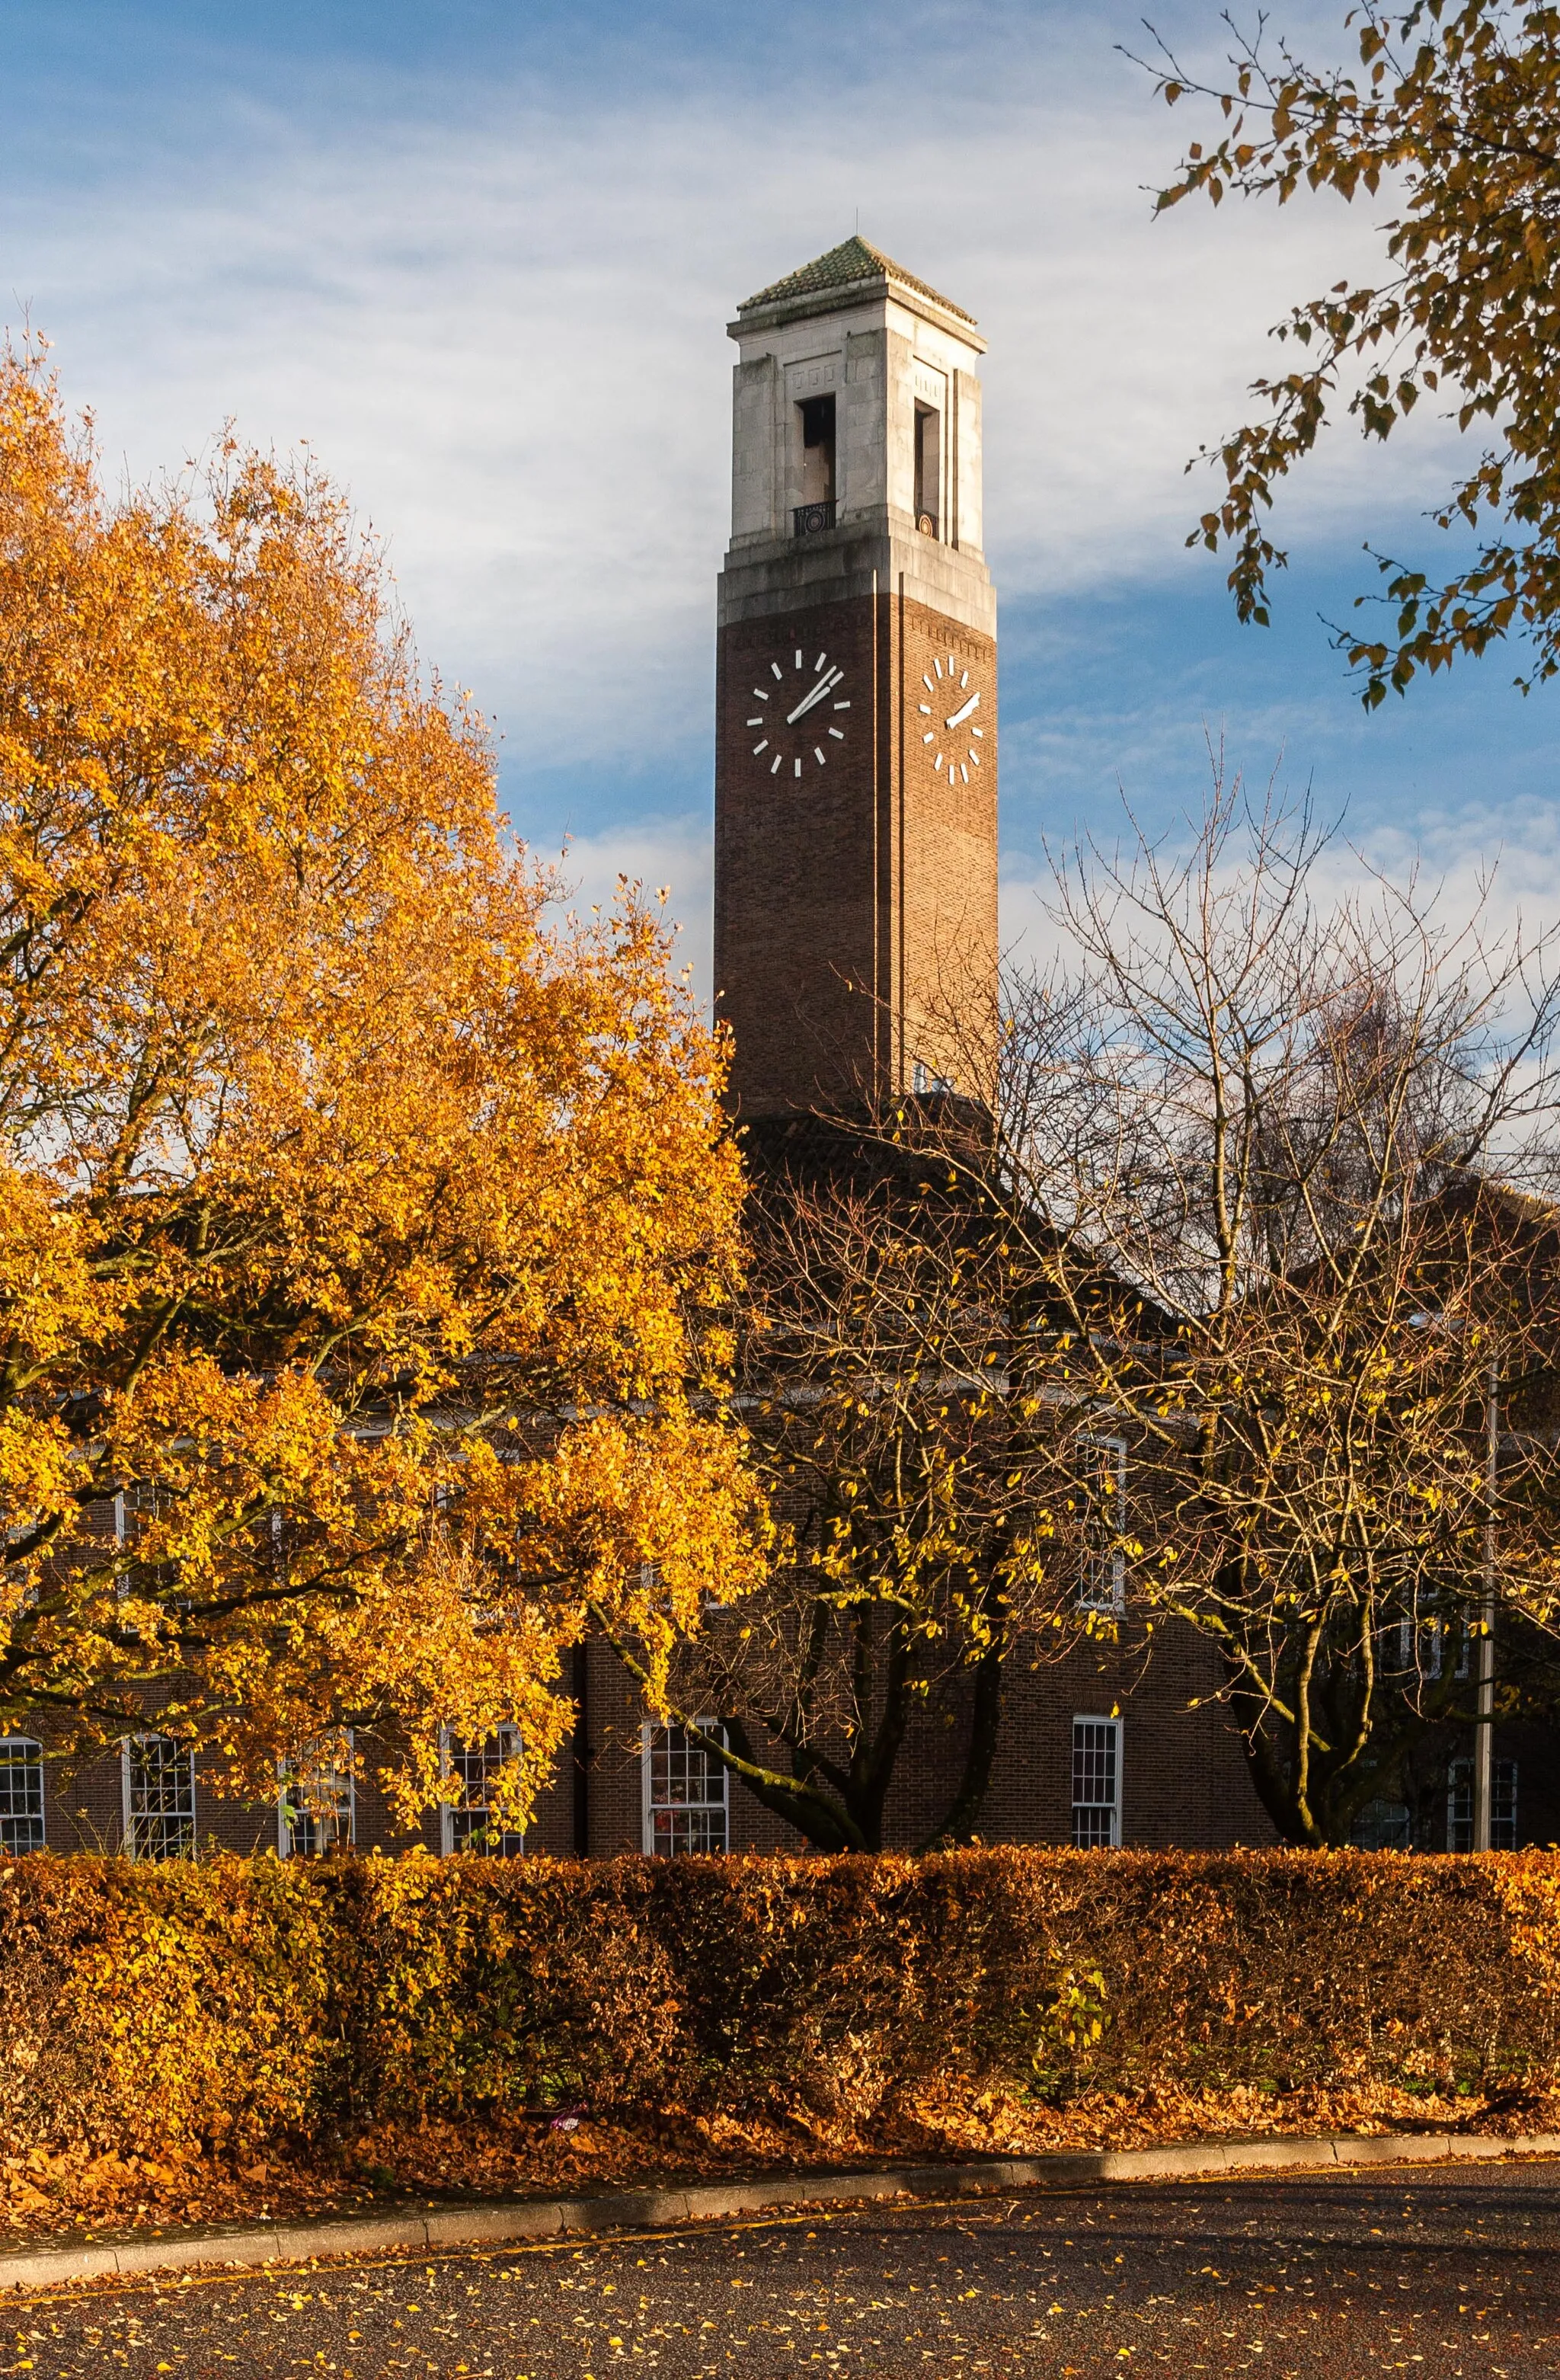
{"x":980,"y":1751}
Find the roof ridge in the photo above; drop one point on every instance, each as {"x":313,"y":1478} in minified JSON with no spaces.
{"x":854,"y":260}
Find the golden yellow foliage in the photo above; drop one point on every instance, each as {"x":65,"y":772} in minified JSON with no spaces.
{"x":1451,"y":116}
{"x":368,"y":1239}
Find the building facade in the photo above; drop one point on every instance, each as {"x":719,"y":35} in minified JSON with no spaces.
{"x":855,"y":909}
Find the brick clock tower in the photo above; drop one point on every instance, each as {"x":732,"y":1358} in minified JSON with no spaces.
{"x":855,"y":783}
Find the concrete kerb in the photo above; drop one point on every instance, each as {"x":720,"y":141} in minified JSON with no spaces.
{"x":636,"y":2210}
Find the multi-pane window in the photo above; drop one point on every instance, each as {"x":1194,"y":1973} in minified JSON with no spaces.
{"x":1097,"y":1783}
{"x":21,"y":1794}
{"x":1416,"y":1647}
{"x":1382,"y":1825}
{"x":1101,"y":1568}
{"x":317,"y":1808}
{"x":472,"y":1771}
{"x":685,"y":1792}
{"x":157,"y":1778}
{"x":1503,"y":1806}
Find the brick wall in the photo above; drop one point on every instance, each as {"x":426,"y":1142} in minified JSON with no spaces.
{"x":1184,"y":1782}
{"x":84,"y":1810}
{"x":946,"y":833}
{"x":846,"y":896}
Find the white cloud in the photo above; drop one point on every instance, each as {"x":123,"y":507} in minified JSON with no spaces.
{"x":505,"y":333}
{"x":498,"y":317}
{"x":1486,"y":863}
{"x":670,"y":855}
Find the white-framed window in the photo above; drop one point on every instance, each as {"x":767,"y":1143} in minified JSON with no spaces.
{"x":1503,"y":1805}
{"x":472,"y":1770}
{"x":1383,"y":1825}
{"x":1411,"y":1647}
{"x":21,"y":1794}
{"x":317,"y":1806}
{"x":157,"y":1778}
{"x":1097,"y":1784}
{"x":1102,"y":1565}
{"x":685,"y":1792}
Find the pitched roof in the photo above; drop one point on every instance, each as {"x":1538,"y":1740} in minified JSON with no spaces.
{"x":854,"y":260}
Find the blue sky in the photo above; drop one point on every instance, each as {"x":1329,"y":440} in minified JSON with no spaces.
{"x":481,"y":256}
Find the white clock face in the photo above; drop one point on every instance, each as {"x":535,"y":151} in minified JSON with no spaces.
{"x":800,"y":713}
{"x":952,"y":721}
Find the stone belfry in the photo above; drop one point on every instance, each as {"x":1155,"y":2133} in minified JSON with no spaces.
{"x":855,"y":789}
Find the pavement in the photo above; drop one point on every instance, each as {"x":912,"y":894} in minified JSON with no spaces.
{"x":1434,"y":2271}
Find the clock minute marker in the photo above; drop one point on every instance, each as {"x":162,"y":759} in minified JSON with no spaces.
{"x":839,"y":733}
{"x":776,"y":667}
{"x":761,"y":748}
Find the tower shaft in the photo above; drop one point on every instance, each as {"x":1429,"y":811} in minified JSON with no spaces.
{"x":855,"y":869}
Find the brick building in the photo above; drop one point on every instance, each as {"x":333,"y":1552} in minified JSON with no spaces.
{"x":855,"y":888}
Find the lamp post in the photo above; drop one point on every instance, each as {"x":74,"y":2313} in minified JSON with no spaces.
{"x":1484,"y":1718}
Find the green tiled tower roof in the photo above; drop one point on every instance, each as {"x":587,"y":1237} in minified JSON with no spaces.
{"x":854,"y":260}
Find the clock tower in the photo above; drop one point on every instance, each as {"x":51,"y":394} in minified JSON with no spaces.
{"x":855,"y":789}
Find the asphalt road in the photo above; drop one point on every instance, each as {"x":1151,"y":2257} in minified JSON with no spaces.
{"x":1428,"y":2271}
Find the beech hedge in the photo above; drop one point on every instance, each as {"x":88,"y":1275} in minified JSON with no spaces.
{"x":230,"y":2001}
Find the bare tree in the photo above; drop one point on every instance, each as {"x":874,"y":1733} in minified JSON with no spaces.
{"x":1205,"y":1293}
{"x":1304,"y":1135}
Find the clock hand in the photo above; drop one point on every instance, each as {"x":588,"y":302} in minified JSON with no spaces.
{"x":959,"y":716}
{"x":825,"y":686}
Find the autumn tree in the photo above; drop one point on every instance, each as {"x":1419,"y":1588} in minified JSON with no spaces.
{"x":366,"y":1241}
{"x":1454,"y":117}
{"x":1283,"y":1166}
